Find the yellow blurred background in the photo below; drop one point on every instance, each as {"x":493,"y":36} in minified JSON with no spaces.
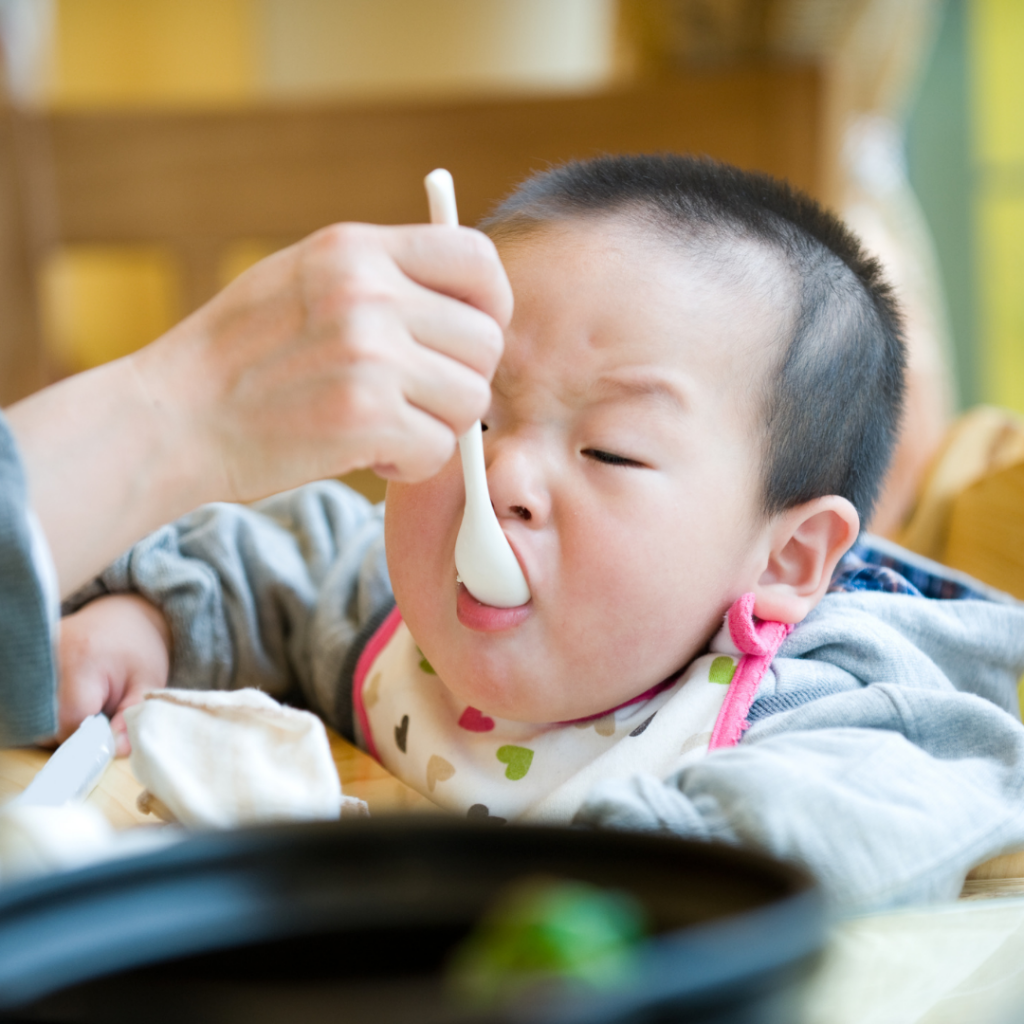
{"x":101,"y":302}
{"x":952,"y":91}
{"x":996,"y":69}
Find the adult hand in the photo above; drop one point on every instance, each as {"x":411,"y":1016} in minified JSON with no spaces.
{"x":359,"y":346}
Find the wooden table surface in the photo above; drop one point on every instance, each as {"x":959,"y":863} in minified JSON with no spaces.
{"x":363,"y":777}
{"x":117,"y":791}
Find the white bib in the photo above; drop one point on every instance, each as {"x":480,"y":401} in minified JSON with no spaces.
{"x":477,"y":765}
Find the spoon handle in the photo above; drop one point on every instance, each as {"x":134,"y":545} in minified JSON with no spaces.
{"x":441,"y":197}
{"x":443,"y":210}
{"x":474,"y":471}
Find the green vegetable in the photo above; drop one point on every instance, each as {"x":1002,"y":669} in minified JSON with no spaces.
{"x":543,"y":930}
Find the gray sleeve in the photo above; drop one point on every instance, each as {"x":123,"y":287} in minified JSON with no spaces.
{"x":28,"y":681}
{"x":271,"y":595}
{"x":973,"y":646}
{"x":895,"y":810}
{"x":891,"y":762}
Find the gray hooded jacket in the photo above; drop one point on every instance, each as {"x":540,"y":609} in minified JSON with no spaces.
{"x":885,"y":753}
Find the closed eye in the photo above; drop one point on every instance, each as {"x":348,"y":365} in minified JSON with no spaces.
{"x":610,"y":459}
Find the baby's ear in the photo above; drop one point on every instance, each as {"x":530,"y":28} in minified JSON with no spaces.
{"x":806,"y":542}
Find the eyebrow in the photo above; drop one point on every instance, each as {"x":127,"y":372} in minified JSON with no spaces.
{"x":663,"y":390}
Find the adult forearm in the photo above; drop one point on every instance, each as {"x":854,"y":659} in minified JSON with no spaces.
{"x":106,"y":462}
{"x":360,"y":346}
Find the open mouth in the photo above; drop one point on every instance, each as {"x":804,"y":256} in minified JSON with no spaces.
{"x":485,"y":618}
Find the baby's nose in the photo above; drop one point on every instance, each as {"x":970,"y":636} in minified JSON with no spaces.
{"x":516,"y":482}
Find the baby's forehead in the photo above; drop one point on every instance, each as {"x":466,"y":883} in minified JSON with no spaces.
{"x":707,"y":282}
{"x":613,"y":315}
{"x":722,"y":253}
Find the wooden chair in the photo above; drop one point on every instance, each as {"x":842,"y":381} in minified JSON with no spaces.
{"x":970,"y":514}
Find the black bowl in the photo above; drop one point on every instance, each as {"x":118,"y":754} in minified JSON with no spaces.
{"x":354,"y":921}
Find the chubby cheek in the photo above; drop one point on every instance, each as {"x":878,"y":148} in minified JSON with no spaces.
{"x":421,"y":522}
{"x":664,"y":579}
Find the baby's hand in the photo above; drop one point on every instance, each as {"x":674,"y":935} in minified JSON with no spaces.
{"x":112,"y":652}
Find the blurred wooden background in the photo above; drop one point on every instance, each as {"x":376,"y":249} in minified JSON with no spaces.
{"x":765,"y":84}
{"x":157,"y":166}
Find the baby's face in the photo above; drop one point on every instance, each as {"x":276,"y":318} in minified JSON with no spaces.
{"x":624,"y":464}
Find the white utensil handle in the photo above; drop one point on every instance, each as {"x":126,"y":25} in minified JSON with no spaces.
{"x":443,"y":210}
{"x":471,"y":450}
{"x":74,"y":768}
{"x":441,"y":197}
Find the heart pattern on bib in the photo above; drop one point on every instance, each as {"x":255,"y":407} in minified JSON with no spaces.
{"x":639,"y":730}
{"x":722,"y":670}
{"x":372,"y":692}
{"x":701,"y":739}
{"x":481,"y":812}
{"x":518,"y":760}
{"x":475,"y":721}
{"x":402,"y":733}
{"x":603,"y":726}
{"x":438,"y":770}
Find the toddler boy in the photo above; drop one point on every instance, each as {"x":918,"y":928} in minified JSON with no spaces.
{"x":700,"y":391}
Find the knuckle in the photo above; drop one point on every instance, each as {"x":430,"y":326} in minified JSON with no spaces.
{"x":362,"y":406}
{"x":496,"y":292}
{"x":479,"y":247}
{"x":347,"y":261}
{"x":357,"y":286}
{"x":344,"y":239}
{"x":358,"y":337}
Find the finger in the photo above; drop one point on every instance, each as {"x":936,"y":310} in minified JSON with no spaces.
{"x":453,"y":329}
{"x":415,"y":322}
{"x":459,"y":262}
{"x":371,"y":400}
{"x":417,"y":448}
{"x":80,"y":701}
{"x":119,"y":727}
{"x":445,"y":390}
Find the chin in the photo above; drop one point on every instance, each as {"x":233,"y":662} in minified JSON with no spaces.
{"x":501,"y":697}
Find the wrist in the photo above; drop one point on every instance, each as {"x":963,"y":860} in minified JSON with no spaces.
{"x":175,"y":396}
{"x":104,"y":463}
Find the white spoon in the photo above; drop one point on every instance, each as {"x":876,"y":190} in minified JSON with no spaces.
{"x":485,"y":562}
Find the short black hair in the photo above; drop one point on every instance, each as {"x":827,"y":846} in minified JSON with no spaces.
{"x":833,"y":399}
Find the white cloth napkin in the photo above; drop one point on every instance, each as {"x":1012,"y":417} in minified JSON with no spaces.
{"x":219,"y":759}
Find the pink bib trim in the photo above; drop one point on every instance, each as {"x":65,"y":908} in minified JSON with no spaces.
{"x":373,"y":647}
{"x":758,"y":641}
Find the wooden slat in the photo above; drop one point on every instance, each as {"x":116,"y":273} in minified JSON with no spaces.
{"x":126,"y":177}
{"x":21,"y":357}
